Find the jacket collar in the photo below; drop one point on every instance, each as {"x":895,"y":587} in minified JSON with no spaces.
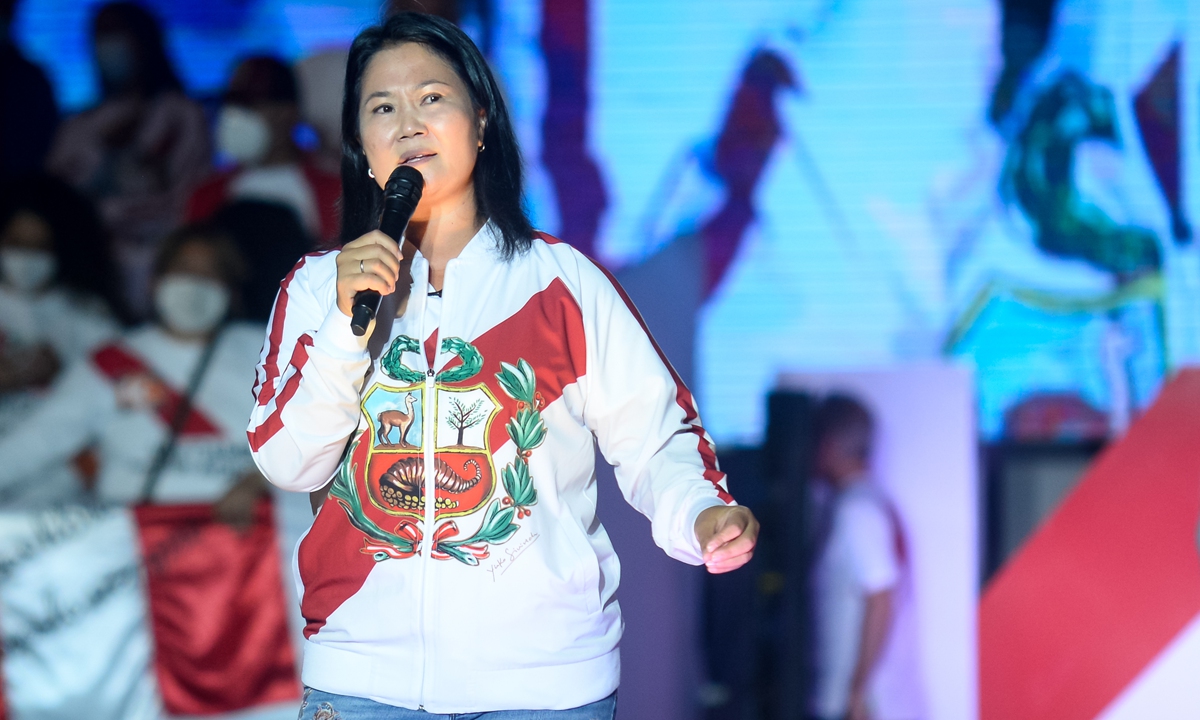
{"x":483,"y":246}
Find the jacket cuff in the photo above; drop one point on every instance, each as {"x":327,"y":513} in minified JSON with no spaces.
{"x":690,"y":550}
{"x":335,"y":338}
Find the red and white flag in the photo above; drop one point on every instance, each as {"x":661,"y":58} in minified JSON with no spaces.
{"x":143,"y":613}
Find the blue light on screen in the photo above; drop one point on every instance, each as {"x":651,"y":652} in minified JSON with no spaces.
{"x":856,"y":206}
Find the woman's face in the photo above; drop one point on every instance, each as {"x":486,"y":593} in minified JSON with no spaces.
{"x":27,"y":231}
{"x":415,"y":110}
{"x":191,"y":296}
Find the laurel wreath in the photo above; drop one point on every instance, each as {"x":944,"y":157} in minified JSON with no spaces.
{"x":345,"y":491}
{"x":526,"y":429}
{"x":527,"y":432}
{"x":394,"y":367}
{"x":472,"y":361}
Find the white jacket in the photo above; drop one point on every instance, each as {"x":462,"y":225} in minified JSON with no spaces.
{"x":458,"y":565}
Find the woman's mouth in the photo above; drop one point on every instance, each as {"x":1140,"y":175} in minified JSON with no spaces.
{"x":418,"y":159}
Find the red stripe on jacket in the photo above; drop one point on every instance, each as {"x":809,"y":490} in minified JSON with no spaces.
{"x":265,"y":390}
{"x":683,"y":396}
{"x":274,"y":422}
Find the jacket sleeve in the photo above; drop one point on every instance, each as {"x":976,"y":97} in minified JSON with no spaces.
{"x":306,"y":390}
{"x":645,"y":420}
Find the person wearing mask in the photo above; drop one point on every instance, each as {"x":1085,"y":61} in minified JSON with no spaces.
{"x":124,"y":397}
{"x":142,"y":149}
{"x":255,"y":131}
{"x":58,"y":301}
{"x":28,"y":111}
{"x":858,"y":580}
{"x":456,"y":564}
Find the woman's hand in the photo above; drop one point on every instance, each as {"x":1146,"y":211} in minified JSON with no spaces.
{"x":34,"y":367}
{"x":727,"y":535}
{"x":236,"y":508}
{"x":372,"y":262}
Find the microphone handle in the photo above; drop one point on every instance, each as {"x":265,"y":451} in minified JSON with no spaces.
{"x":401,"y":195}
{"x":366,"y":305}
{"x":366,"y":302}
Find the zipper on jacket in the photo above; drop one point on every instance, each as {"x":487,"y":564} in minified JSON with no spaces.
{"x":428,"y":429}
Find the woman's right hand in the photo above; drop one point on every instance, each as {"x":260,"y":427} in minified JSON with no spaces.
{"x":372,"y":262}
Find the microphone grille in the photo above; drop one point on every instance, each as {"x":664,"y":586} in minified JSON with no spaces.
{"x":405,"y":181}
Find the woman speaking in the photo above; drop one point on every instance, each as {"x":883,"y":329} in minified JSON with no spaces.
{"x":457,"y":565}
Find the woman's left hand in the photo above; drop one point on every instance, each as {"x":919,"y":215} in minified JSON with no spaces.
{"x":727,"y":536}
{"x":237,"y":507}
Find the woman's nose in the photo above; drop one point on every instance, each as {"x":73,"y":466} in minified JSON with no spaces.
{"x":410,"y":124}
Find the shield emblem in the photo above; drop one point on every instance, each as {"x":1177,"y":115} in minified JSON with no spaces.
{"x":462,"y":473}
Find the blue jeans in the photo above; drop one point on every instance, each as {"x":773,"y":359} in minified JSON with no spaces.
{"x":319,"y":705}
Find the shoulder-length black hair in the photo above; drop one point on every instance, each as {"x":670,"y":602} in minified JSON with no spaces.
{"x":498,"y":175}
{"x":154,"y":69}
{"x":82,"y":244}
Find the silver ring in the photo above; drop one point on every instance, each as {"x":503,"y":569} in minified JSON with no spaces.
{"x":360,"y":267}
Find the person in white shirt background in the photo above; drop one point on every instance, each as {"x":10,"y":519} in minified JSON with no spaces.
{"x":858,"y":578}
{"x":58,"y":301}
{"x":120,"y":397}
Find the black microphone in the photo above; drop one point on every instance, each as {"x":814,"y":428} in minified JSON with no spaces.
{"x":400,"y":198}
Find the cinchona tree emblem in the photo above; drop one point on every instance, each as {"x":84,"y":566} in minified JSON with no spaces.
{"x":381,"y":484}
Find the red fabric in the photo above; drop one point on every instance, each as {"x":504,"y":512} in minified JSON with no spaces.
{"x":217,"y":609}
{"x":431,"y":348}
{"x":208,"y":198}
{"x":326,"y":188}
{"x":274,"y":422}
{"x":683,"y":396}
{"x":548,"y":332}
{"x":265,"y":388}
{"x":1107,"y":582}
{"x":116,"y":363}
{"x":332,"y":564}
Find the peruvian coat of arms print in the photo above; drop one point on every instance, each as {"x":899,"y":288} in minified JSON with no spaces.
{"x":381,"y":484}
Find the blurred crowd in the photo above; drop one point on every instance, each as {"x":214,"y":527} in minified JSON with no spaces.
{"x":142,"y":242}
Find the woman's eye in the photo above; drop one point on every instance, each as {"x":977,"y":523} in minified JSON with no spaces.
{"x":383,"y":109}
{"x":432,"y":98}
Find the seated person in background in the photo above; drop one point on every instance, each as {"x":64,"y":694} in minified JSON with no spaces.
{"x":141,"y":150}
{"x":857,"y":576}
{"x":254,"y":131}
{"x":125,"y":396}
{"x":58,"y":301}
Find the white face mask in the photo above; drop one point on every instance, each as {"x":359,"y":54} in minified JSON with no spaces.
{"x":28,"y":270}
{"x":242,"y":135}
{"x":191,"y":305}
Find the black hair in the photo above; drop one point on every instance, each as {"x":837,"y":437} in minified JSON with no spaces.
{"x":155,"y":71}
{"x":82,"y":244}
{"x":262,"y":78}
{"x":272,"y":239}
{"x":497,"y":177}
{"x":840,"y":412}
{"x":231,"y":264}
